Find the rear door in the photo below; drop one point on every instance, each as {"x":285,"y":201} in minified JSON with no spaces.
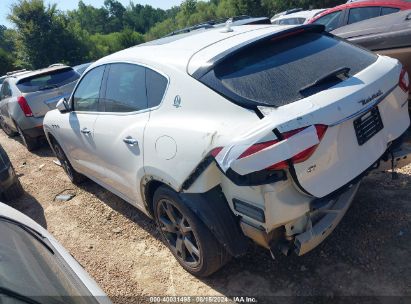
{"x":119,"y":130}
{"x":75,"y":129}
{"x":43,"y":91}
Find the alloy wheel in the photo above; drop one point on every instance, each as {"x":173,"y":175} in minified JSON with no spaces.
{"x":178,"y":232}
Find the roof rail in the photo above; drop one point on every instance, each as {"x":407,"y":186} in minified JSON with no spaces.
{"x":15,"y":72}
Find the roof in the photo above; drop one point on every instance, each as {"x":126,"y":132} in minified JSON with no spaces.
{"x":402,"y":4}
{"x":177,"y":51}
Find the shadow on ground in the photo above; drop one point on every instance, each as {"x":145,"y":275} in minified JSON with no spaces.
{"x":28,"y":205}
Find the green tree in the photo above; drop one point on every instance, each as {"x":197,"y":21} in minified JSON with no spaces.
{"x":44,"y":35}
{"x":6,"y":62}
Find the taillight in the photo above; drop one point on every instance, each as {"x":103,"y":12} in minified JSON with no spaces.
{"x":24,"y":106}
{"x":404,"y":82}
{"x":298,"y":158}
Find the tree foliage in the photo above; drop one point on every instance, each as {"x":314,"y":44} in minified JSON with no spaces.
{"x":45,"y":35}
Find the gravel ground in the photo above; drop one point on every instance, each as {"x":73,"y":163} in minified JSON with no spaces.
{"x":367,"y":255}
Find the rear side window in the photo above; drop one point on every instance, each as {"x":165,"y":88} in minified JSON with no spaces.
{"x":126,"y":88}
{"x":291,"y":21}
{"x":389,"y":10}
{"x":5,"y":90}
{"x":156,"y":87}
{"x":363,"y":13}
{"x":276,"y":73}
{"x":47,"y":81}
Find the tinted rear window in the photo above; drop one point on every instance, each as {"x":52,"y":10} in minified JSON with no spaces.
{"x":274,"y":73}
{"x":47,"y":81}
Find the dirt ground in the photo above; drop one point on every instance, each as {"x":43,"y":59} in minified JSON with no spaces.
{"x":367,"y":255}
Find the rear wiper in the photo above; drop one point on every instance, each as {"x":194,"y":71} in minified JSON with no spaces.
{"x":344,"y":71}
{"x":48,"y":87}
{"x":18,"y":296}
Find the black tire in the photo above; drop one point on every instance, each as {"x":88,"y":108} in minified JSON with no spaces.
{"x":13,"y":192}
{"x":30,"y":143}
{"x":9,"y":132}
{"x":189,"y":240}
{"x":75,"y":177}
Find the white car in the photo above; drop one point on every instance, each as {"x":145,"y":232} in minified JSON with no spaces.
{"x":226,"y":135}
{"x":300,"y":17}
{"x":35,"y":268}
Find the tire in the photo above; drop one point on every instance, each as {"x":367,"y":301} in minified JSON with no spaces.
{"x":30,"y":143}
{"x":6,"y":129}
{"x":189,"y":240}
{"x":75,"y":177}
{"x":13,"y":192}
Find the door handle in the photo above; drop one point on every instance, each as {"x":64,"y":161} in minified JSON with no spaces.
{"x":130,"y":141}
{"x":85,"y":131}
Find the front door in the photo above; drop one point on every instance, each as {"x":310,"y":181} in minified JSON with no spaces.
{"x":76,"y":129}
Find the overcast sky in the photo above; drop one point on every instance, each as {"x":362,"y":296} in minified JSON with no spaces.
{"x":72,"y":4}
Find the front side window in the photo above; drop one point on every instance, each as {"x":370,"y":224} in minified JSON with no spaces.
{"x":126,"y":88}
{"x":363,"y":13}
{"x":330,"y":21}
{"x":291,"y":21}
{"x":87,"y":94}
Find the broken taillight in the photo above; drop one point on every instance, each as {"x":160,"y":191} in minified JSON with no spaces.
{"x":298,"y":158}
{"x":24,"y":106}
{"x":404,"y":81}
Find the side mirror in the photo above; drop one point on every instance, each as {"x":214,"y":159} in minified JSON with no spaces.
{"x":63,"y":106}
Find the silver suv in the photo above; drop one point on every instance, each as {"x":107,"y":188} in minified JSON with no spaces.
{"x":26,"y":96}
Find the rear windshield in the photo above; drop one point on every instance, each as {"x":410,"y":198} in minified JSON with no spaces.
{"x":279,"y":72}
{"x":47,"y":81}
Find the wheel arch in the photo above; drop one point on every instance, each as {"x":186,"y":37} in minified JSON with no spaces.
{"x":212,"y":210}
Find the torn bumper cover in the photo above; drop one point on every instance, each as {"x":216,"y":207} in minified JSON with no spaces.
{"x":322,"y":221}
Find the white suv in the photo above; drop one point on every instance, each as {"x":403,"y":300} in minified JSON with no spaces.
{"x":226,"y":135}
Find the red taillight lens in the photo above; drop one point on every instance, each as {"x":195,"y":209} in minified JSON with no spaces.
{"x":24,"y":106}
{"x":404,"y":82}
{"x":298,"y":158}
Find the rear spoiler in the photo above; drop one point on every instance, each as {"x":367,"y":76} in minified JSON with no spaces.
{"x":312,"y":28}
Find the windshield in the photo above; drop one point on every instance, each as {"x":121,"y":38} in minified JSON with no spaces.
{"x":30,"y":268}
{"x":47,"y":81}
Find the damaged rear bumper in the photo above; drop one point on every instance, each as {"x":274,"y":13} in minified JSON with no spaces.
{"x":322,"y":221}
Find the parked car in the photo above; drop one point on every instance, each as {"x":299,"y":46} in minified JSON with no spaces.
{"x":386,"y":35}
{"x":35,"y":268}
{"x":82,"y":67}
{"x":10,"y":187}
{"x":300,"y":17}
{"x":287,"y":12}
{"x":352,"y":12}
{"x":223,"y":136}
{"x":27,"y":96}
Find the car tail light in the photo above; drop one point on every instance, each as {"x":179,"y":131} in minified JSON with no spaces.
{"x":404,"y":82}
{"x":298,"y":158}
{"x":24,"y":106}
